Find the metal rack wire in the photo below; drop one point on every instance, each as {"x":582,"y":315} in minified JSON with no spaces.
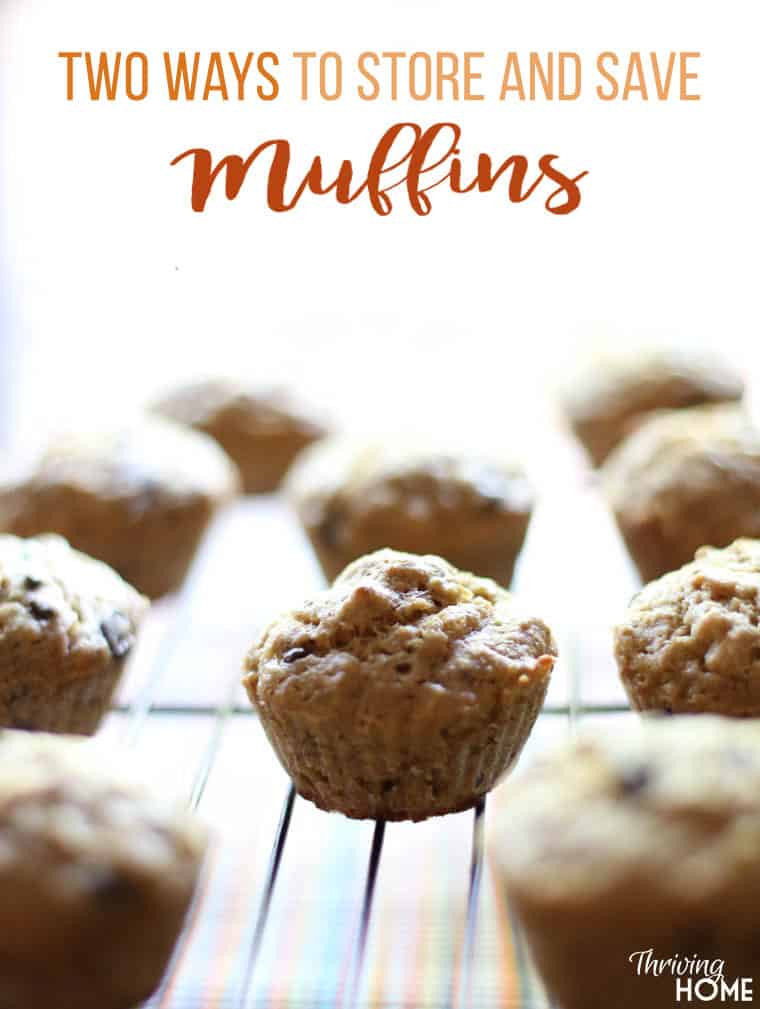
{"x":146,"y":706}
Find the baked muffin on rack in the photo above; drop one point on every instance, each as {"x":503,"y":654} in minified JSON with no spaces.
{"x":685,"y":479}
{"x":262,"y":430}
{"x":97,"y":875}
{"x":690,"y":641}
{"x":67,"y":626}
{"x":630,"y":847}
{"x":404,"y":691}
{"x":355,"y":497}
{"x":139,"y":498}
{"x":613,"y":394}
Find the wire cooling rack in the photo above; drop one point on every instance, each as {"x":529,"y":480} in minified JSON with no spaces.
{"x":299,"y":909}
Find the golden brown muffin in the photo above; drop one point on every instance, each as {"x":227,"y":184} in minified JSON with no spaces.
{"x":404,"y":691}
{"x":139,"y":498}
{"x":353,"y":498}
{"x":627,"y":848}
{"x":685,"y":479}
{"x":67,"y":626}
{"x":614,"y":394}
{"x":690,"y":641}
{"x":96,"y":873}
{"x":262,"y":430}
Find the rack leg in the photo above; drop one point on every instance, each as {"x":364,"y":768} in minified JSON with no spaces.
{"x":271,"y":879}
{"x":357,"y":963}
{"x":460,"y":995}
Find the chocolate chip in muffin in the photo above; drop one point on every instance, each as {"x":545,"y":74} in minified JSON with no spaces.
{"x":119,"y":633}
{"x":329,"y":528}
{"x":294,"y":654}
{"x":147,"y":495}
{"x":110,"y":888}
{"x":634,"y":780}
{"x":39,"y":611}
{"x":492,"y":487}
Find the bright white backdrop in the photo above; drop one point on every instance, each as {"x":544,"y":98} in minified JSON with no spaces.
{"x":466,"y":316}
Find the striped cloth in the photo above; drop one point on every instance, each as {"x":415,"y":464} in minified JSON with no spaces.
{"x":418,"y":918}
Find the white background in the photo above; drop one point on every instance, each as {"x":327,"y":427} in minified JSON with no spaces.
{"x":468,"y":315}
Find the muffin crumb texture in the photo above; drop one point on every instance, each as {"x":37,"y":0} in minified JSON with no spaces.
{"x":690,"y":641}
{"x":356,"y":497}
{"x":685,"y":479}
{"x":97,"y":875}
{"x":613,"y":395}
{"x":138,"y":498}
{"x":261,"y":429}
{"x":67,"y":625}
{"x":404,"y":691}
{"x":636,"y":840}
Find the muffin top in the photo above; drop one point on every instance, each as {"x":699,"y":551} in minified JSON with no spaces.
{"x":147,"y":462}
{"x":693,"y":634}
{"x":395,"y":636}
{"x":353,"y":479}
{"x":669,"y":807}
{"x":683,"y":453}
{"x":73,"y":829}
{"x":652,"y":378}
{"x":618,"y":389}
{"x":214,"y":403}
{"x":78,"y":608}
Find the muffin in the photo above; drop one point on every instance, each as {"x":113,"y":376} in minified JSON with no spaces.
{"x":139,"y":498}
{"x":685,"y":479}
{"x":404,"y":691}
{"x":354,"y":498}
{"x":625,"y":849}
{"x":262,"y":430}
{"x":613,"y":395}
{"x":97,"y":876}
{"x":67,"y":626}
{"x":690,"y":641}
